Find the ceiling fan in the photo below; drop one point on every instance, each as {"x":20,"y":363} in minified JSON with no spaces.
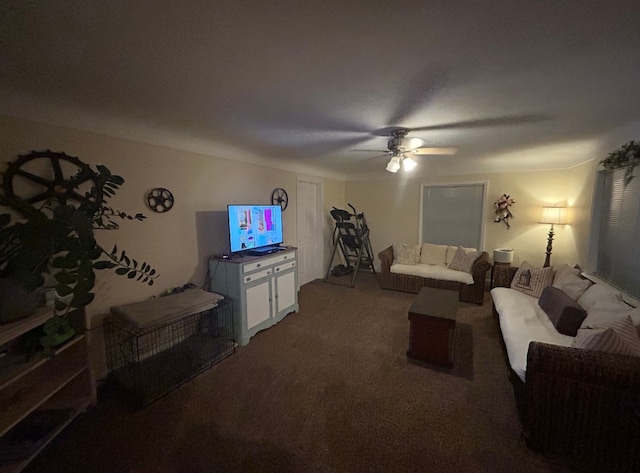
{"x":402,"y":147}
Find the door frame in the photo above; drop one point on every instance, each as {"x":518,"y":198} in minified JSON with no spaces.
{"x":319,"y":214}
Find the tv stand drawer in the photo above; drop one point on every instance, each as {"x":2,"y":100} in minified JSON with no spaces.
{"x":264,"y":262}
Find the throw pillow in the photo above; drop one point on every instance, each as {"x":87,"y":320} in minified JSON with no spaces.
{"x":530,"y":280}
{"x":433,"y":254}
{"x":619,"y":336}
{"x":451,"y":252}
{"x":565,"y":313}
{"x":458,"y":260}
{"x":403,"y":253}
{"x":469,"y":260}
{"x":598,"y":294}
{"x":568,"y":280}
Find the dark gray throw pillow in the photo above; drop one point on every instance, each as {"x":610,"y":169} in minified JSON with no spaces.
{"x":565,"y":313}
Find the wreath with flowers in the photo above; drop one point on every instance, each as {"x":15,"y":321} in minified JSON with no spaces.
{"x":503,"y":214}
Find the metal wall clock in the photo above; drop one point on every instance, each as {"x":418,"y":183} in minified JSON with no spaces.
{"x":279,"y":197}
{"x":160,"y":200}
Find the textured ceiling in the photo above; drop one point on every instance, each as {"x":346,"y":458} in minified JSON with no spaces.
{"x":316,"y":85}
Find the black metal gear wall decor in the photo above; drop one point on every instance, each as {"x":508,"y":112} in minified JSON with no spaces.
{"x":160,"y":200}
{"x":279,"y":197}
{"x":48,"y":176}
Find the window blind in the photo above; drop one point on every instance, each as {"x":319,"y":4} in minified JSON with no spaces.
{"x":452,"y":214}
{"x":618,"y":227}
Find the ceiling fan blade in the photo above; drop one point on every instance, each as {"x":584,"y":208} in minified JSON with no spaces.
{"x":383,"y":155}
{"x":486,"y":122}
{"x":421,"y":86}
{"x":368,"y":151}
{"x":436,"y":151}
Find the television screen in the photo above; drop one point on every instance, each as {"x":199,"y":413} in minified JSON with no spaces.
{"x":254,"y":226}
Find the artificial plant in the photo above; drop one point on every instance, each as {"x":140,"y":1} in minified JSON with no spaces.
{"x":626,"y":156}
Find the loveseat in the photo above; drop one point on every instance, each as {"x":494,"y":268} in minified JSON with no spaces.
{"x":578,"y":405}
{"x":431,"y":265}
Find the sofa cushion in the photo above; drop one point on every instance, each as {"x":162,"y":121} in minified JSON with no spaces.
{"x":530,"y":280}
{"x":565,"y":313}
{"x":432,"y":271}
{"x":404,"y":253}
{"x":568,"y":280}
{"x":433,"y":254}
{"x":604,"y":304}
{"x":521,"y":322}
{"x":618,"y":336}
{"x":596,"y":294}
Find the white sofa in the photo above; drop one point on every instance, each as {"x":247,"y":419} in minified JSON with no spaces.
{"x":577,"y":404}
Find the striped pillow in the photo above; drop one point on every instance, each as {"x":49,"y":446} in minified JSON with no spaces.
{"x":530,"y":280}
{"x":619,"y":336}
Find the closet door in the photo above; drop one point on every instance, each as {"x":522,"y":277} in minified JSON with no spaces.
{"x":453,"y":214}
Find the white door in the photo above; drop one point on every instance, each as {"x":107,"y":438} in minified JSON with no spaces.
{"x":310,"y":234}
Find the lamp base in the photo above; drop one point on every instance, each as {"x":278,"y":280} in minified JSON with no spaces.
{"x":547,"y":260}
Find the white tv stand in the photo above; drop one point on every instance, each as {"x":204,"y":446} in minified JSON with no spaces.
{"x":264,"y":289}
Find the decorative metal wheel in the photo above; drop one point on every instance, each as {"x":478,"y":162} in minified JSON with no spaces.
{"x":279,"y":197}
{"x":48,"y":177}
{"x":160,"y":200}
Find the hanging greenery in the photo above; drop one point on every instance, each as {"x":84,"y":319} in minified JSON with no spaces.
{"x":627,"y":157}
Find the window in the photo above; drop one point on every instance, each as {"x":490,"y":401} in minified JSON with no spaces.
{"x":453,"y":214}
{"x":615,"y":234}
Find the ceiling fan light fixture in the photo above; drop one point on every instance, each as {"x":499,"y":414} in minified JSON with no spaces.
{"x":408,"y":164}
{"x":394,"y":164}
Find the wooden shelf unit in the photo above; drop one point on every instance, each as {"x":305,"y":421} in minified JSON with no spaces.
{"x":62,"y":381}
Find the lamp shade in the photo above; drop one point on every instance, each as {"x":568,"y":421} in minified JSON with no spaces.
{"x":394,"y":164}
{"x":554,"y":215}
{"x":408,"y":164}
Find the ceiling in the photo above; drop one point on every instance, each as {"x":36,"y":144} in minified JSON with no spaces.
{"x":316,"y":86}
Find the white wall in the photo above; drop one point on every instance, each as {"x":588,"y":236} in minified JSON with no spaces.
{"x":177,"y":243}
{"x":392,"y":208}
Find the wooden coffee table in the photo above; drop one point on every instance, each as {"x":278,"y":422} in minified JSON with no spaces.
{"x":432,"y":318}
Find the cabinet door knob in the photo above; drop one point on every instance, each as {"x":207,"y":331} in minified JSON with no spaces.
{"x":248,"y":279}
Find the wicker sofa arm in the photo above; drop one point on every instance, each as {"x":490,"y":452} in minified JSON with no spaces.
{"x":386,"y":259}
{"x":619,"y":372}
{"x":480,"y":268}
{"x":576,"y":398}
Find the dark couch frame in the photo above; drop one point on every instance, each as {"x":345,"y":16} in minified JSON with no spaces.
{"x":580,"y":407}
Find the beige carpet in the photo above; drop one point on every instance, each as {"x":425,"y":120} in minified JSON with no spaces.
{"x":328,"y":389}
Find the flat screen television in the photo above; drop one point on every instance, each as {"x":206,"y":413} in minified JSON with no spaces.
{"x":255,"y":228}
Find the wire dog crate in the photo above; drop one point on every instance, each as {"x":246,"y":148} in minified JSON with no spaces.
{"x":149,"y":362}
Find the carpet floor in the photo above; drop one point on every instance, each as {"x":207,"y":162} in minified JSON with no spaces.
{"x":328,"y":389}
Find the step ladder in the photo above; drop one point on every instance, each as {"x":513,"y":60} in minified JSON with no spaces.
{"x":352,"y":239}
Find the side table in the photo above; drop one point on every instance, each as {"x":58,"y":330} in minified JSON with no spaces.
{"x":500,"y":274}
